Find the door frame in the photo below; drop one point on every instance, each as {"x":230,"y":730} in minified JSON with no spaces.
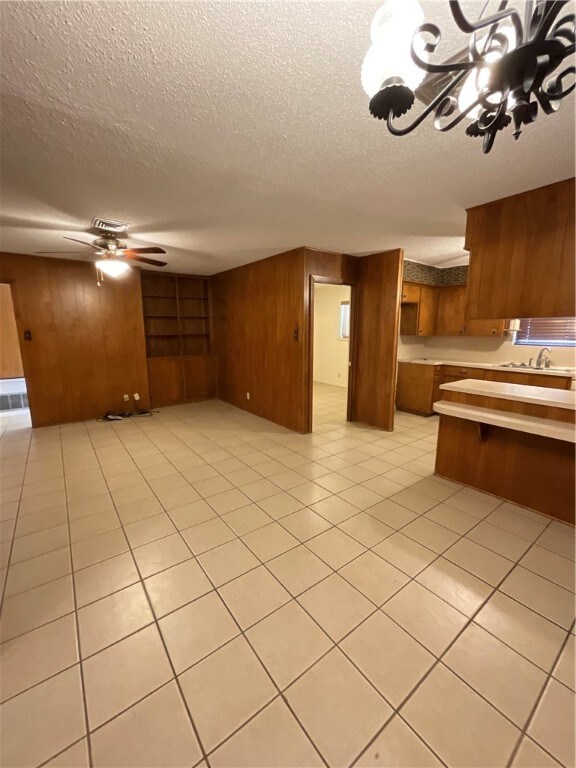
{"x":313,"y":279}
{"x":14,"y":293}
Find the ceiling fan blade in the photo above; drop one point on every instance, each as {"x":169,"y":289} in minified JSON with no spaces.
{"x":150,"y":249}
{"x":74,"y":240}
{"x":58,"y":251}
{"x":152,"y":262}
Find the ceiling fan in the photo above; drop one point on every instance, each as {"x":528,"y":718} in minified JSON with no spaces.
{"x":112,"y":254}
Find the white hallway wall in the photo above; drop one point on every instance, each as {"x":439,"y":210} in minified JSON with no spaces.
{"x":330,"y":352}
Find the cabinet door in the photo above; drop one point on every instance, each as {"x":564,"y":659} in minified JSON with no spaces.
{"x":451,"y":320}
{"x":414,"y":388}
{"x":485,"y":327}
{"x":166,"y":381}
{"x":428,"y":310}
{"x":411,"y":292}
{"x":200,"y":376}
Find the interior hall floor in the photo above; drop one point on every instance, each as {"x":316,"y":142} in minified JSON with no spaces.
{"x":203,"y":587}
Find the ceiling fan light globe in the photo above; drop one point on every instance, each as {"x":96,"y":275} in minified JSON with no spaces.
{"x":113,"y":267}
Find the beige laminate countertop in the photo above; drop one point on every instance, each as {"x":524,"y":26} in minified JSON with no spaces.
{"x":492,"y":367}
{"x":557,"y":398}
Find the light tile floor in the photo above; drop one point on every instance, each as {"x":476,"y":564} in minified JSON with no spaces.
{"x":203,"y":587}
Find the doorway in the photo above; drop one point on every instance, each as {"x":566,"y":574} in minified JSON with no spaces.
{"x":330,"y":354}
{"x":14,"y":410}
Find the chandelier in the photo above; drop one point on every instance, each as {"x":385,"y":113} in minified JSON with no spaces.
{"x":510,"y":69}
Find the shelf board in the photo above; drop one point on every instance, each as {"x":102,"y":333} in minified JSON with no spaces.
{"x":162,"y":335}
{"x":195,"y":334}
{"x":193,"y":298}
{"x":153,"y":317}
{"x":157,"y":296}
{"x":194,"y":317}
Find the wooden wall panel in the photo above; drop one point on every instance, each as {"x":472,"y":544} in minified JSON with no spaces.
{"x":377,"y":319}
{"x":10,"y":357}
{"x":257,"y":310}
{"x":87,"y":346}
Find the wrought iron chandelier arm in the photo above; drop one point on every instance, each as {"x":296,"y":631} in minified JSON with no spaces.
{"x":470,"y":28}
{"x":550,"y":12}
{"x":552,"y":92}
{"x":430,"y":47}
{"x":430,"y":108}
{"x":565,"y":34}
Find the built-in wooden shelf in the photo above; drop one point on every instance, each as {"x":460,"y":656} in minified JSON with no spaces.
{"x":176,"y":314}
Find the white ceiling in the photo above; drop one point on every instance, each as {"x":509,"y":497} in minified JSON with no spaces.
{"x":229,"y":131}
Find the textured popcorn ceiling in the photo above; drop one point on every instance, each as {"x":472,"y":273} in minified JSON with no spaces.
{"x":230,"y":131}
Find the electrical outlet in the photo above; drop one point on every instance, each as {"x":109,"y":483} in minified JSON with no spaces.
{"x":247,"y":395}
{"x":136,"y":396}
{"x":126,"y":398}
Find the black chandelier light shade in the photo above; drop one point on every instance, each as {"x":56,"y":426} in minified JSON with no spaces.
{"x":515,"y":65}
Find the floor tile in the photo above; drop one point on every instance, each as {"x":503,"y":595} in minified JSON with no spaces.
{"x":356,"y":712}
{"x":270,"y":541}
{"x":305,"y":524}
{"x":103,"y":578}
{"x":37,"y":571}
{"x":374,"y":577}
{"x":559,"y":542}
{"x":366,"y":529}
{"x":474,"y":503}
{"x":288,"y":642}
{"x":27,"y":547}
{"x":155,"y":732}
{"x":498,"y":540}
{"x":530,"y":755}
{"x":398,"y":747}
{"x":33,"y":732}
{"x":388,"y":656}
{"x":527,"y":632}
{"x":37,"y":655}
{"x":41,"y":521}
{"x":457,"y":724}
{"x":479,"y":560}
{"x":452,"y":518}
{"x":414,"y":501}
{"x":75,"y":756}
{"x":246,"y":519}
{"x":98,"y":548}
{"x":550,"y":566}
{"x":161,"y":554}
{"x":298,"y":569}
{"x":176,"y":586}
{"x":392,"y":514}
{"x":139,"y":510}
{"x":335,"y":547}
{"x":253,"y":596}
{"x":197,"y":629}
{"x":150,"y":529}
{"x":225,"y":690}
{"x":506,"y":679}
{"x":119,"y":676}
{"x":336,"y":605}
{"x":360,"y":496}
{"x":405,"y":553}
{"x":335,"y":509}
{"x":564,"y":669}
{"x":227,"y":561}
{"x":455,"y":585}
{"x":517,"y":524}
{"x":544,"y":597}
{"x":426,"y":617}
{"x":280,"y":505}
{"x":273,"y":739}
{"x":430,"y":534}
{"x":553,"y":724}
{"x":36,"y":607}
{"x":228,"y":501}
{"x":206,"y":536}
{"x":191,"y":514}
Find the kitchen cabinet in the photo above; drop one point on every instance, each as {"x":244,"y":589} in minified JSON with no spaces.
{"x":522,"y":255}
{"x":418,"y":384}
{"x":415,"y":387}
{"x":451,"y":319}
{"x":418,"y":309}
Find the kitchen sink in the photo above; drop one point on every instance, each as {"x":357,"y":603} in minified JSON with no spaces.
{"x":525,"y":366}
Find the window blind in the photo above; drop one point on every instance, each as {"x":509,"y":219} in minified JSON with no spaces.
{"x":344,"y":320}
{"x":547,"y":331}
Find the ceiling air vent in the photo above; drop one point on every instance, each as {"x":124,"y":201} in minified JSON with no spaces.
{"x":109,"y":226}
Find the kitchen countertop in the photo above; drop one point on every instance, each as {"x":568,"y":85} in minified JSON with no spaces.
{"x":557,"y":398}
{"x":491,"y":366}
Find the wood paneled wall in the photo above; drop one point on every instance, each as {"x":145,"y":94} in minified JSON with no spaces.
{"x":87,"y":346}
{"x":10,"y":357}
{"x":377,"y":320}
{"x":258,"y":320}
{"x":263,"y":334}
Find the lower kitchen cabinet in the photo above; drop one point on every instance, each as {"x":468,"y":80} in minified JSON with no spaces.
{"x":418,"y":384}
{"x":417,"y":387}
{"x":181,"y":379}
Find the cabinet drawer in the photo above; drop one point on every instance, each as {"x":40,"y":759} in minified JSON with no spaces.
{"x":461,"y":372}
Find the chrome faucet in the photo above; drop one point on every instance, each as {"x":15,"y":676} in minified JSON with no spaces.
{"x":541,"y":356}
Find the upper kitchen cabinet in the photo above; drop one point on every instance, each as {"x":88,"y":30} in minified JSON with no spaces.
{"x":522,"y":255}
{"x":451,"y":320}
{"x":419,"y":308}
